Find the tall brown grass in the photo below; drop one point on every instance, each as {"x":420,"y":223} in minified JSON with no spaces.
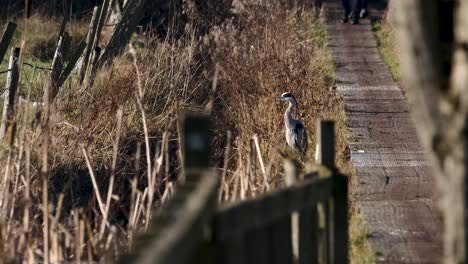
{"x":114,"y":150}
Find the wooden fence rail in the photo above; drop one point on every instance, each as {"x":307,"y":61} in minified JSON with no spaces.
{"x":192,"y":228}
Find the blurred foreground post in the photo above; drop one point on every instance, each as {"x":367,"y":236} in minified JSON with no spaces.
{"x":434,"y":65}
{"x":177,"y":233}
{"x":338,"y":204}
{"x":196,"y":143}
{"x":9,"y":96}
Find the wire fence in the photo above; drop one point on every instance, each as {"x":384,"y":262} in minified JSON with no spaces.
{"x":30,"y":65}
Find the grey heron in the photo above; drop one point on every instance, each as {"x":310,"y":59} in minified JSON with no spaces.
{"x":296,"y":133}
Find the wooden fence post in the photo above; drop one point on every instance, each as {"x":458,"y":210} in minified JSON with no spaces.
{"x":56,"y":69}
{"x":102,"y":20}
{"x":89,"y":43}
{"x":123,"y":31}
{"x":178,"y":230}
{"x":91,"y":71}
{"x":338,"y":208}
{"x":10,"y":94}
{"x":6,"y":39}
{"x":71,"y":64}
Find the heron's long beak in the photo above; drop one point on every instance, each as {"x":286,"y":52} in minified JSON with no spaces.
{"x":279,"y":98}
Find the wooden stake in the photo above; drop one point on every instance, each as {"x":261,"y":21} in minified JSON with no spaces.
{"x":89,"y":43}
{"x":10,"y":93}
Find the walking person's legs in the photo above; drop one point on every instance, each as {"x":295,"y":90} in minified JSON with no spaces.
{"x":347,"y":10}
{"x":357,"y":11}
{"x":364,"y":12}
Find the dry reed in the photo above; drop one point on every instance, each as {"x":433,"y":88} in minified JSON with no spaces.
{"x":52,"y":188}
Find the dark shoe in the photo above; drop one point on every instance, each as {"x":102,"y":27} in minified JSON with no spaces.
{"x":345,"y":20}
{"x":364,"y":13}
{"x":355,"y":21}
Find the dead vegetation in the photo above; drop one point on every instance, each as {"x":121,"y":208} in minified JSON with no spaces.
{"x":113,"y":152}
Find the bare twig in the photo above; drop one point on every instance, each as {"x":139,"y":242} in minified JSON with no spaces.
{"x":225,"y":166}
{"x":114,"y":165}
{"x":93,"y":179}
{"x":262,"y":166}
{"x":145,"y":129}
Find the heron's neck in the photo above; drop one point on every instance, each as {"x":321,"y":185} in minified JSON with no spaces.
{"x":288,"y":119}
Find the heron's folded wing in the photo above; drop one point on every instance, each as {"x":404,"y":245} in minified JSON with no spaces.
{"x":300,"y":137}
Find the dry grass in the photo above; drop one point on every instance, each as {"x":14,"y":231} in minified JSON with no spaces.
{"x":360,"y":250}
{"x":264,"y":51}
{"x":281,"y":51}
{"x":388,"y":47}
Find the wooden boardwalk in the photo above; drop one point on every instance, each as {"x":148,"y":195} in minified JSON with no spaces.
{"x":393,"y":186}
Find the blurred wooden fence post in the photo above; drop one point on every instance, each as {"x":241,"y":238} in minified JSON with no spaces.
{"x":196,"y":143}
{"x":290,"y":170}
{"x":10,"y":94}
{"x":89,"y":43}
{"x":177,"y":233}
{"x":338,"y":208}
{"x":6,"y":38}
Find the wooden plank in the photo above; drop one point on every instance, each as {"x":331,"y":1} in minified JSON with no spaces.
{"x":326,"y":242}
{"x":308,"y":235}
{"x":257,"y":244}
{"x":232,"y":250}
{"x":281,"y":241}
{"x":6,"y":39}
{"x":245,"y":215}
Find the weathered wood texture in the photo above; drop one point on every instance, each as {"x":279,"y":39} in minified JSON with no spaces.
{"x":177,"y":228}
{"x":434,"y":66}
{"x":10,"y":96}
{"x":102,"y":20}
{"x":245,"y":215}
{"x":253,"y":231}
{"x":191,"y":229}
{"x":123,"y":31}
{"x":6,"y":39}
{"x":393,"y":185}
{"x":89,"y":43}
{"x":56,"y":69}
{"x":72,"y":60}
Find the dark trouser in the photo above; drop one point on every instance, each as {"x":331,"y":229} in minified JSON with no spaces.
{"x":359,"y":4}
